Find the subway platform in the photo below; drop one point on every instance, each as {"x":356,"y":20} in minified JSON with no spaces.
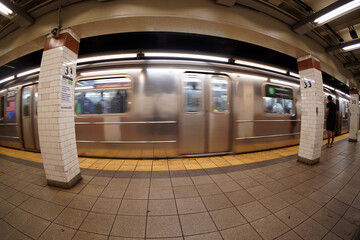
{"x":262,"y":195}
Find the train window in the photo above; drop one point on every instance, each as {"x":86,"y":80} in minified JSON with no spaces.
{"x":345,"y":110}
{"x":103,"y":96}
{"x":278,"y":99}
{"x":219,"y":89}
{"x":26,"y":98}
{"x":192,"y":92}
{"x":2,"y":106}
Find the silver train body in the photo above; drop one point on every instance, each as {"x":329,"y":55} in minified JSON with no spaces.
{"x":165,"y":108}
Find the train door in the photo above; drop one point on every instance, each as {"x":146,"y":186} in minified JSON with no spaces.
{"x":29,"y":123}
{"x":205,"y":118}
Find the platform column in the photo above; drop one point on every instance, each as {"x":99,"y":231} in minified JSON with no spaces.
{"x":56,"y":109}
{"x":354,"y":115}
{"x":312,"y":110}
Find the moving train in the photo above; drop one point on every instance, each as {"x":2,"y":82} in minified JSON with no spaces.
{"x":165,"y":108}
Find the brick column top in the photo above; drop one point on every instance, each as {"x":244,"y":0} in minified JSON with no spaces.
{"x":308,"y":62}
{"x":66,"y":38}
{"x":354,"y":91}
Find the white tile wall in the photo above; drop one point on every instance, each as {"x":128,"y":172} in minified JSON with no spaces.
{"x":56,"y":125}
{"x":312,"y":113}
{"x":354,"y":118}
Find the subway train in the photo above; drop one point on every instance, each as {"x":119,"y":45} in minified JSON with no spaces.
{"x":168,"y":107}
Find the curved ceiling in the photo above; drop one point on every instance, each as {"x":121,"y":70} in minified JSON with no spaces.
{"x":298,"y":14}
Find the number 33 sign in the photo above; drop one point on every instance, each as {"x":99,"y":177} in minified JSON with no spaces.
{"x":307,"y":84}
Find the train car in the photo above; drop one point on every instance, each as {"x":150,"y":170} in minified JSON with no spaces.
{"x":164,"y":108}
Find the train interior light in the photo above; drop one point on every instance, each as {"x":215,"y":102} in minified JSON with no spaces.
{"x":258,"y":65}
{"x":35,"y":70}
{"x":7,"y":79}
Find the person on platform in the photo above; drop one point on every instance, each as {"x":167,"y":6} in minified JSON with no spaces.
{"x":330,"y":121}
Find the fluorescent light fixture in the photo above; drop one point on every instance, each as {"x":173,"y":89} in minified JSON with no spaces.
{"x":185,"y":55}
{"x":284,"y":82}
{"x":328,"y":87}
{"x":108,"y":72}
{"x":84,"y":88}
{"x":338,"y":12}
{"x":113,"y":80}
{"x":347,"y":95}
{"x":106,"y":57}
{"x":294,"y":75}
{"x":257,"y":65}
{"x":351,"y":47}
{"x":28,"y":72}
{"x":7,"y":79}
{"x":339,"y":92}
{"x":5,"y":10}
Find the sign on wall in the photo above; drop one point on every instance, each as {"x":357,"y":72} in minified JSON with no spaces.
{"x":67,"y":87}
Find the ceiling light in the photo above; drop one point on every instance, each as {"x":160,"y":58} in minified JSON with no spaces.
{"x":338,"y":12}
{"x":5,"y":10}
{"x":185,"y":55}
{"x":328,"y":87}
{"x":28,"y":72}
{"x":257,"y":65}
{"x":107,"y":72}
{"x":351,"y":47}
{"x":106,"y":57}
{"x":7,"y":79}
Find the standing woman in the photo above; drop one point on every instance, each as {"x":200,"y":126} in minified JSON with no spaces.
{"x":330,"y":120}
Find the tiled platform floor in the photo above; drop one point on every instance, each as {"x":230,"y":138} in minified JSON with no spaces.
{"x":273,"y":199}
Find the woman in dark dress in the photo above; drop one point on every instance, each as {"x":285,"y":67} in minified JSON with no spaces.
{"x":330,"y":120}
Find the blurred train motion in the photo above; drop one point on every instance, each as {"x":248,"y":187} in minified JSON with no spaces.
{"x":164,"y":108}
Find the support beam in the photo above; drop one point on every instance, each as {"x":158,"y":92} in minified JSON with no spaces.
{"x":351,"y":65}
{"x":229,"y":3}
{"x":307,"y":25}
{"x":21,"y":18}
{"x":338,"y":48}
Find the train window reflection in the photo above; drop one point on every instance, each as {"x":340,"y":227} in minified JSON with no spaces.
{"x":219,"y":88}
{"x":345,"y":110}
{"x":120,"y":82}
{"x":278,"y":99}
{"x":26,"y":102}
{"x":101,"y":102}
{"x":192,"y":91}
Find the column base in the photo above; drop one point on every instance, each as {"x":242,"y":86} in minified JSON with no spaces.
{"x":67,"y":185}
{"x":308,"y":161}
{"x":352,"y":140}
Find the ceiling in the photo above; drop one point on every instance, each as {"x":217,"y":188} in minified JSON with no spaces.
{"x":298,"y":14}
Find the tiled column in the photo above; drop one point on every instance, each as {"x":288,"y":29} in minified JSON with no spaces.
{"x":56,"y":110}
{"x":354,"y":115}
{"x":312,"y":110}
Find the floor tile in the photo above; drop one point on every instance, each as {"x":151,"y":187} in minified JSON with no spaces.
{"x":353,"y":215}
{"x":161,"y":193}
{"x":106,"y":205}
{"x":215,"y":202}
{"x":133,"y":207}
{"x":229,"y":186}
{"x":208,"y":189}
{"x":197,"y":223}
{"x":5,"y":208}
{"x":55,"y":231}
{"x":113,"y":192}
{"x":274,"y":203}
{"x":206,"y":236}
{"x":337,"y":206}
{"x":240,"y":197}
{"x":270,"y":227}
{"x":136,"y":193}
{"x":291,"y":216}
{"x":83,"y":202}
{"x":227,"y":218}
{"x":245,"y":231}
{"x":310,"y":230}
{"x":326,"y":218}
{"x":92,"y":190}
{"x":319,"y":197}
{"x":253,"y":211}
{"x":129,"y":226}
{"x":307,"y":206}
{"x":34,"y":226}
{"x":290,"y":196}
{"x":162,"y":207}
{"x":80,"y":235}
{"x":190,"y":205}
{"x":185,"y":191}
{"x":345,"y":229}
{"x":290,"y":235}
{"x":163,"y":226}
{"x":71,"y":218}
{"x":98,"y":223}
{"x":259,"y":192}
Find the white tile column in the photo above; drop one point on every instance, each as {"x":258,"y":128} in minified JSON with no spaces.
{"x":56,"y":109}
{"x":312,"y":110}
{"x":354,"y":115}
